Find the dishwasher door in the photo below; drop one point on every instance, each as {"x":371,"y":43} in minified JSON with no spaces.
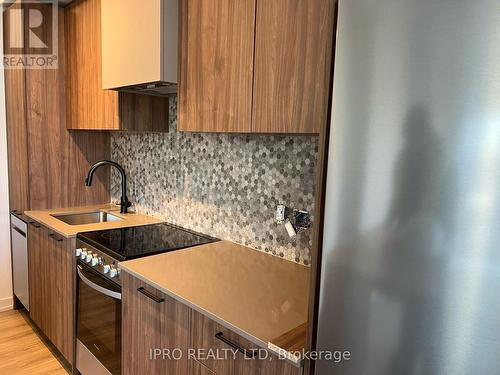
{"x":20,"y":260}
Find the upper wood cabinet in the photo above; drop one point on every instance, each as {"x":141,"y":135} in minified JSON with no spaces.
{"x":293,"y":52}
{"x":216,"y":67}
{"x":255,"y":65}
{"x":88,"y":105}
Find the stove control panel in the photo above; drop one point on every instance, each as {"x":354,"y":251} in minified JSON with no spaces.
{"x":98,"y":260}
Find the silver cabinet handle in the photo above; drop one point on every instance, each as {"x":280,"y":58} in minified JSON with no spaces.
{"x":98,"y":288}
{"x":19,"y":231}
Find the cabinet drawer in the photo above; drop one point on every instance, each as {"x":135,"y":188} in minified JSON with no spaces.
{"x":226,"y":353}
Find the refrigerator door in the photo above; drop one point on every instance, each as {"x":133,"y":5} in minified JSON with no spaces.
{"x":410,"y":280}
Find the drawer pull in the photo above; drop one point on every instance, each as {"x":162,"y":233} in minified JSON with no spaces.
{"x":150,"y":295}
{"x":247,"y":353}
{"x":35,"y":224}
{"x":18,"y":230}
{"x":53,"y":236}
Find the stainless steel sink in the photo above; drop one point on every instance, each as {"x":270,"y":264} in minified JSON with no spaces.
{"x":87,"y":218}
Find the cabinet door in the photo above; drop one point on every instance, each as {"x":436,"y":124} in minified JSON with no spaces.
{"x":293,"y":52}
{"x":40,"y":303}
{"x":62,"y":270}
{"x":88,"y":105}
{"x":51,"y":286}
{"x":203,"y":339}
{"x":152,"y":320}
{"x":207,"y":335}
{"x":216,"y":66}
{"x":15,"y":111}
{"x":17,"y":139}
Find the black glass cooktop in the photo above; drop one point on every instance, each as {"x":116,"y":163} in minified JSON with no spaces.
{"x":135,"y":242}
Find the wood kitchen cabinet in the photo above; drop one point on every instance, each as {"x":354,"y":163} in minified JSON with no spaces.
{"x":293,"y":52}
{"x":255,"y":66}
{"x":51,"y":282}
{"x":39,"y":277}
{"x":17,"y":140}
{"x":196,"y":368}
{"x":216,"y":65}
{"x":88,"y":105}
{"x":206,"y":334}
{"x":152,"y":320}
{"x":47,"y":163}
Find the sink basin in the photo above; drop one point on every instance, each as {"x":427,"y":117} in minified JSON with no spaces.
{"x":87,"y":218}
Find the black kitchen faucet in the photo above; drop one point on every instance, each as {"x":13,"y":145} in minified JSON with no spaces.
{"x":124,"y":202}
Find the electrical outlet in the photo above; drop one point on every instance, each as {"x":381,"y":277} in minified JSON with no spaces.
{"x":280,"y":213}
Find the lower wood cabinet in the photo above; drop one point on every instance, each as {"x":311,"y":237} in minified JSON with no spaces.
{"x":51,"y":282}
{"x":152,"y":320}
{"x":196,"y":368}
{"x":208,"y":335}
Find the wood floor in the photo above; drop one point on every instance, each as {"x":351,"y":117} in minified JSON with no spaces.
{"x":22,"y":351}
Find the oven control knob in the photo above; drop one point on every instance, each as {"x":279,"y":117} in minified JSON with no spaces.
{"x":83,"y":254}
{"x":88,"y":258}
{"x":113,"y":272}
{"x":95,"y":260}
{"x":78,"y":252}
{"x":106,"y":268}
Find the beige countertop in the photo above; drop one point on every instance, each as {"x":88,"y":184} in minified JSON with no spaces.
{"x":129,"y":220}
{"x":256,"y":295}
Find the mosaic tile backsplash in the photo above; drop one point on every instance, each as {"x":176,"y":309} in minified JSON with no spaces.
{"x":224,"y":185}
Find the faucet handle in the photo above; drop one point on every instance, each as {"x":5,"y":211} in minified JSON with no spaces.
{"x":125,"y":202}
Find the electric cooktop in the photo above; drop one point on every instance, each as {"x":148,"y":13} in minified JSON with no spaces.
{"x":134,"y":242}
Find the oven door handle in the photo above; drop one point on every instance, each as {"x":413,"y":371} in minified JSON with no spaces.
{"x":100,"y":289}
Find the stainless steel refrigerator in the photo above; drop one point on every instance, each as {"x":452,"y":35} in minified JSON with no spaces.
{"x":410,"y":273}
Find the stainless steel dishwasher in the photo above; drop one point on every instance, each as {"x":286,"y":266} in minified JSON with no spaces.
{"x":18,"y":230}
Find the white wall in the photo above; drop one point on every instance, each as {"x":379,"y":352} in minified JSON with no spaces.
{"x":5,"y":267}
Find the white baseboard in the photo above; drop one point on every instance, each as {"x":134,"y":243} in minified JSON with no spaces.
{"x":6,"y":304}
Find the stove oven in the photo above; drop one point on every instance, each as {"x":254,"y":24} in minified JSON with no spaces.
{"x":98,"y":344}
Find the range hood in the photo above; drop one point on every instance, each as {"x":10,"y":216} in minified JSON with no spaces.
{"x":140,"y":46}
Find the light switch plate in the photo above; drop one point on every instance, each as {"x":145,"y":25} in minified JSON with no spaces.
{"x":280,"y":213}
